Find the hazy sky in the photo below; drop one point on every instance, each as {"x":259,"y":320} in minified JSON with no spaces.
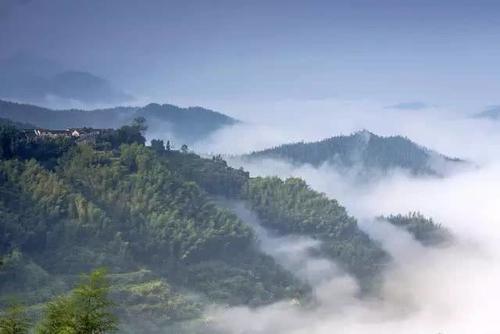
{"x":437,"y":52}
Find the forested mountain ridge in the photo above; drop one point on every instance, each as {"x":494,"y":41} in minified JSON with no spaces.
{"x":187,"y":125}
{"x":363,"y":152}
{"x":147,"y":214}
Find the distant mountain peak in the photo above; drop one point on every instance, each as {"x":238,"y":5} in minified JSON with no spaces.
{"x":365,"y":152}
{"x":492,"y":113}
{"x":35,"y":79}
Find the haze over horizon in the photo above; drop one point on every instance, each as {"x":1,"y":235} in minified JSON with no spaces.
{"x":243,"y":57}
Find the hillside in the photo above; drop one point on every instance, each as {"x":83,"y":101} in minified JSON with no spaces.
{"x":148,"y":215}
{"x":186,"y":125}
{"x":423,"y":229}
{"x":363,"y":153}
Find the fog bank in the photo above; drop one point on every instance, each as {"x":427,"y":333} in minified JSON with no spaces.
{"x":425,"y":290}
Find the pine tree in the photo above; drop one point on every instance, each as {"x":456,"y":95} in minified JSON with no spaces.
{"x":87,"y":310}
{"x":14,"y":321}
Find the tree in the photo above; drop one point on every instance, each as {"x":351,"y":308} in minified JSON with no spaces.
{"x":87,"y":310}
{"x":168,"y":146}
{"x":14,"y":321}
{"x":9,"y":136}
{"x":184,"y":148}
{"x":157,"y":145}
{"x":59,"y":317}
{"x":92,"y":305}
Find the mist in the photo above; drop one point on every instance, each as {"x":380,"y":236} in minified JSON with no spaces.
{"x":425,"y":289}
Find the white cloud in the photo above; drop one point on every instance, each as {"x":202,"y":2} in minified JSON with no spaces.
{"x":425,"y":290}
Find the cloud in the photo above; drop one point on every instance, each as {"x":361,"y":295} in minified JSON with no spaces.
{"x":424,"y":290}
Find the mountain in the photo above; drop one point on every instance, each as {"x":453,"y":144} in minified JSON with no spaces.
{"x":151,"y":216}
{"x":188,"y":124}
{"x":28,"y":77}
{"x":492,"y":113}
{"x":364,"y":153}
{"x":185,"y":125}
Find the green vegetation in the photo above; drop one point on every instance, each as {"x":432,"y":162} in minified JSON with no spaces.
{"x":129,"y":208}
{"x":148,"y":215}
{"x":291,"y":207}
{"x":421,"y":228}
{"x":362,"y":152}
{"x":87,"y":309}
{"x":14,"y":321}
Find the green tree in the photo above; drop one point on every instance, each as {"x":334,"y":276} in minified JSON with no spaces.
{"x":87,"y":310}
{"x":92,"y":305}
{"x":14,"y":321}
{"x":59,"y":317}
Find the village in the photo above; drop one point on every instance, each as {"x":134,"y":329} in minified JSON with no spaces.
{"x":81,"y":135}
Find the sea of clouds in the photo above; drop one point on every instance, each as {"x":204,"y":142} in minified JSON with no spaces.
{"x":451,"y":289}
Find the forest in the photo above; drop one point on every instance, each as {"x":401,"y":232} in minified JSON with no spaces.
{"x":148,"y":215}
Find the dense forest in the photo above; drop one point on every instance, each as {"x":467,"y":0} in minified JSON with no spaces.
{"x":147,"y":213}
{"x":363,"y":153}
{"x":186,"y":125}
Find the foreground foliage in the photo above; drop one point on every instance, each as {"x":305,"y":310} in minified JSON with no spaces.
{"x":14,"y":321}
{"x":87,"y":310}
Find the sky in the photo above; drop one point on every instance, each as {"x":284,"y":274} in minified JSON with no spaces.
{"x":234,"y":54}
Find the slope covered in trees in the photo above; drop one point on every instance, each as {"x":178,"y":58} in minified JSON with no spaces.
{"x":423,"y":229}
{"x":187,"y":125}
{"x":363,"y":152}
{"x":291,"y":207}
{"x":147,"y":214}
